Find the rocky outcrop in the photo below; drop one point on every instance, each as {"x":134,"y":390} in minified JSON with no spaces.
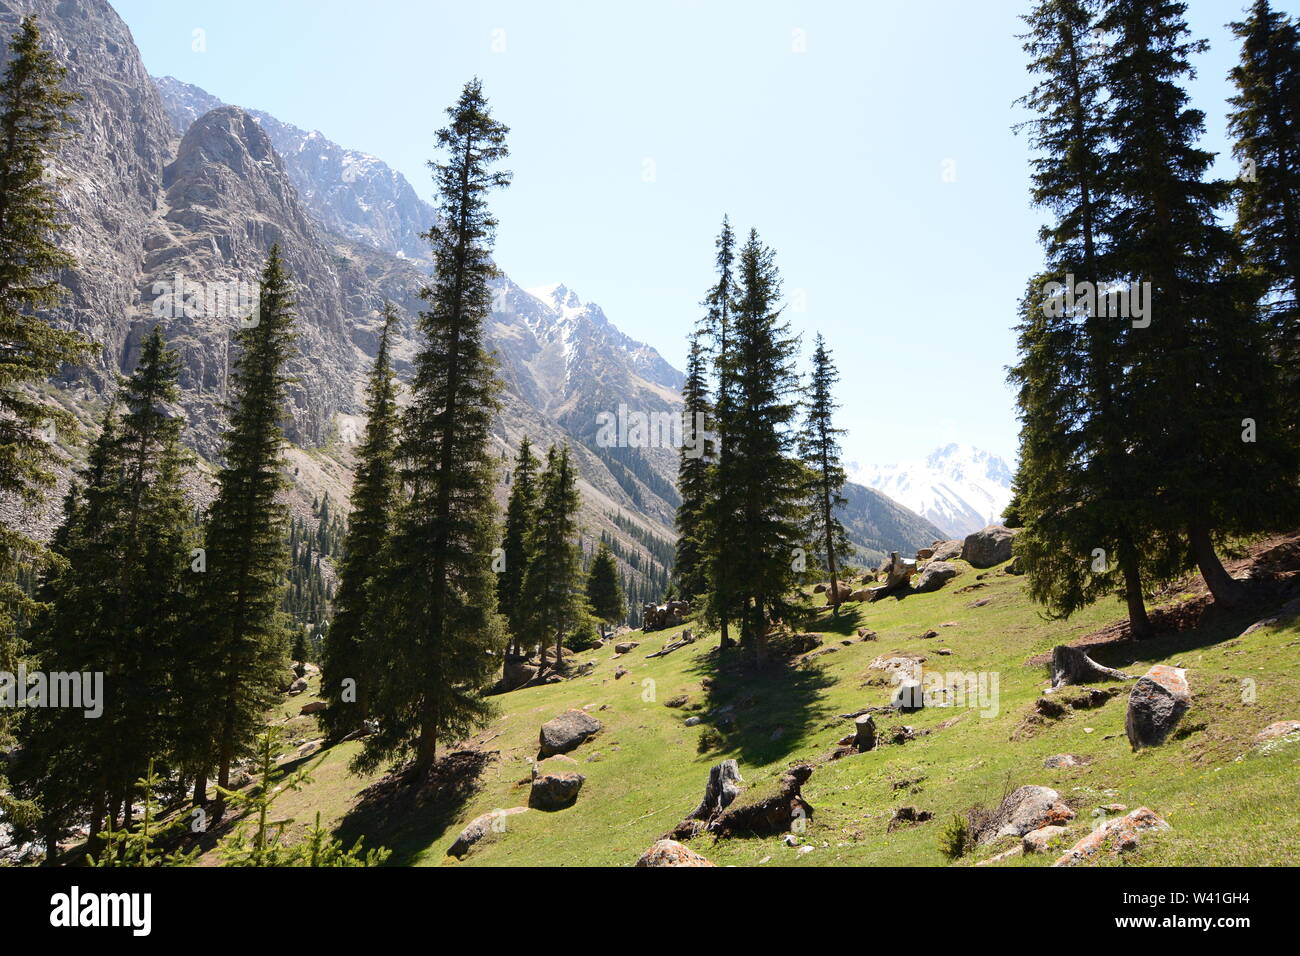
{"x":1024,"y":809}
{"x":566,"y":732}
{"x":1121,"y":835}
{"x":671,"y":853}
{"x":945,"y":550}
{"x":988,"y":547}
{"x":934,"y":576}
{"x":1156,"y":704}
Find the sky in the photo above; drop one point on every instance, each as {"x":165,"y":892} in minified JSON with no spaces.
{"x":871,"y":144}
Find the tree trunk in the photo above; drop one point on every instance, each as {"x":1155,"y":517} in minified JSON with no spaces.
{"x":201,"y":789}
{"x":426,"y":752}
{"x":1226,"y":590}
{"x":1139,"y":624}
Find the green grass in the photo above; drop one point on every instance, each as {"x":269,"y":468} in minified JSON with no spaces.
{"x":1227,"y":804}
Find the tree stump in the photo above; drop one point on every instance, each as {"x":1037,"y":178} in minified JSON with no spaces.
{"x":723,"y":787}
{"x":1070,"y":665}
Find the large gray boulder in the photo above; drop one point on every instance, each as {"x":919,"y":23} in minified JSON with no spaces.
{"x":946,"y":550}
{"x":1025,"y":809}
{"x":988,"y":547}
{"x":555,"y":790}
{"x":565,"y":732}
{"x":935,"y":575}
{"x":481,"y":826}
{"x":1158,"y":701}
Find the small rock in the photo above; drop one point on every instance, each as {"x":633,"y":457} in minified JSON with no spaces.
{"x":555,"y":791}
{"x":1026,"y":808}
{"x":671,"y":853}
{"x":1058,"y":761}
{"x":1040,"y":840}
{"x":679,"y":701}
{"x":480,"y":827}
{"x":1277,"y":730}
{"x":315,"y":707}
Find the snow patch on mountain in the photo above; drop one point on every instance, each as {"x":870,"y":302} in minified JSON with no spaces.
{"x":958,"y":488}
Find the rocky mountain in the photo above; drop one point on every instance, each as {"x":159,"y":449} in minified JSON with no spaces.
{"x":877,"y":525}
{"x":173,"y":199}
{"x":959,"y":488}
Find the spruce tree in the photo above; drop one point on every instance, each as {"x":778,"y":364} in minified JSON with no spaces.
{"x":34,"y":119}
{"x":760,"y":467}
{"x":520,"y":515}
{"x":1202,"y":366}
{"x":724,"y":506}
{"x":245,"y":632}
{"x":553,"y":587}
{"x":690,"y":564}
{"x":374,"y":502}
{"x":120,"y":606}
{"x":1265,"y":119}
{"x":1077,"y":491}
{"x":819,"y":446}
{"x":604,"y":593}
{"x":437,"y":594}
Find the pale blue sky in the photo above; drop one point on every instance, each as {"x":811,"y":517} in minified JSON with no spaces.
{"x":836,"y":154}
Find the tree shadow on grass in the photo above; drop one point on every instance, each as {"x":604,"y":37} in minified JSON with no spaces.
{"x":405,"y":816}
{"x":763,"y":712}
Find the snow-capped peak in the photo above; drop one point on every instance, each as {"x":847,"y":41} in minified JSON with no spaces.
{"x":957,"y":487}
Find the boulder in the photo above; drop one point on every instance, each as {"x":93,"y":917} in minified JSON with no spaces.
{"x":297,"y":687}
{"x":1024,"y":809}
{"x":315,"y":707}
{"x":1041,"y":840}
{"x":945,"y":550}
{"x":839,"y":594}
{"x":935,"y":575}
{"x":626,"y":647}
{"x":819,"y":589}
{"x":480,"y":827}
{"x":1015,"y":567}
{"x":1158,"y":701}
{"x":555,"y":790}
{"x":1277,"y":730}
{"x":671,"y":853}
{"x":988,"y":547}
{"x":861,"y":594}
{"x":516,"y":673}
{"x":565,"y":732}
{"x":925,"y":554}
{"x":680,"y":700}
{"x":1120,"y":835}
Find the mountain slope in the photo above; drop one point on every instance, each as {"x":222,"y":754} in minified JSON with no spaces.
{"x":959,"y":488}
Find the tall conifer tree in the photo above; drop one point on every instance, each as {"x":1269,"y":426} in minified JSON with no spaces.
{"x":690,"y":566}
{"x":34,"y":119}
{"x":1265,"y":119}
{"x":1076,"y":489}
{"x":604,"y":593}
{"x":437,"y":597}
{"x":348,"y":648}
{"x":820,"y":448}
{"x":521,"y":512}
{"x":120,"y":606}
{"x":247,"y":558}
{"x":760,"y":467}
{"x":1202,"y":366}
{"x":724,"y":506}
{"x":553,"y":585}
